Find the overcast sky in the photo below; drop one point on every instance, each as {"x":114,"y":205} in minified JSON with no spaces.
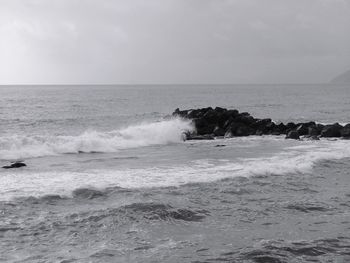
{"x":173,"y":41}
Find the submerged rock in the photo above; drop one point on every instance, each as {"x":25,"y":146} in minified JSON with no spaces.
{"x":14,"y":165}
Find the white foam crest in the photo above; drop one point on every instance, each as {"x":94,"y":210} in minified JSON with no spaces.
{"x":145,"y":134}
{"x":293,"y":160}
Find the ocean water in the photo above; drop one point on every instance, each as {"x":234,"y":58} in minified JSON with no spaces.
{"x":110,"y":179}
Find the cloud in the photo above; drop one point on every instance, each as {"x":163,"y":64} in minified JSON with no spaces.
{"x":173,"y":41}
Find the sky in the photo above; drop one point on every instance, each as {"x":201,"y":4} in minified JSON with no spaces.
{"x":173,"y":41}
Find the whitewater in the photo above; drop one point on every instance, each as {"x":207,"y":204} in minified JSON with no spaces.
{"x":272,"y":155}
{"x":145,"y":134}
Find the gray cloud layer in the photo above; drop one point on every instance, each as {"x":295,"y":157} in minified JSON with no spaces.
{"x":173,"y":41}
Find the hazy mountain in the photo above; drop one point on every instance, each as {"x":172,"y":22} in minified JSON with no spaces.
{"x":342,"y":78}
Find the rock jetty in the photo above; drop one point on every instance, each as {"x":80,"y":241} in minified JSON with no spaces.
{"x":221,"y":122}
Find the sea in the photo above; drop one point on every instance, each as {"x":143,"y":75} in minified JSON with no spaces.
{"x":109,"y":177}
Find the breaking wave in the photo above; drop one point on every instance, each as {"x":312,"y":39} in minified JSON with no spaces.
{"x":293,"y":160}
{"x":145,"y":134}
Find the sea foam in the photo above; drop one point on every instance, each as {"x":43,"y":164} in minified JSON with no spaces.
{"x":294,"y":160}
{"x":145,"y":134}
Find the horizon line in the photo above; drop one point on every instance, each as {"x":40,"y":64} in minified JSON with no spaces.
{"x":169,"y":84}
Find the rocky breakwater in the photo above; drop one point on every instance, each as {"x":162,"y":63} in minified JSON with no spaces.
{"x":220,"y":122}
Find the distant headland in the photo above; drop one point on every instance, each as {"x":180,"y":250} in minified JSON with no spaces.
{"x":343,"y":78}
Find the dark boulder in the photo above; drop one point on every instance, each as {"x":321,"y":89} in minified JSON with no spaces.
{"x":319,"y":127}
{"x":244,"y":131}
{"x":228,"y":122}
{"x":231,"y":129}
{"x":198,"y":113}
{"x":282,"y":128}
{"x":177,"y":112}
{"x":232,"y":113}
{"x":270,"y":127}
{"x":203,"y":127}
{"x":303,"y":128}
{"x":192,"y":113}
{"x":313,"y":131}
{"x":14,"y":165}
{"x":276,"y":132}
{"x":220,"y":110}
{"x":262,"y":126}
{"x":291,"y":126}
{"x":219,"y":131}
{"x":345,"y":132}
{"x":245,"y":118}
{"x":261,"y":122}
{"x":211,"y":116}
{"x":239,"y":129}
{"x":221,"y":119}
{"x":278,"y":129}
{"x":180,"y":113}
{"x":333,"y":130}
{"x":293,"y":135}
{"x":259,"y":132}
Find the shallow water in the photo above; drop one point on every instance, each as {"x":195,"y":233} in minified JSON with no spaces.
{"x":109,"y":178}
